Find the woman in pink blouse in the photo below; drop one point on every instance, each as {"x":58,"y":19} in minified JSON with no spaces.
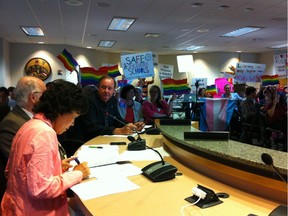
{"x":156,"y":107}
{"x":36,"y":183}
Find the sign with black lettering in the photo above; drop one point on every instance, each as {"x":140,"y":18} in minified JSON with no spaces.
{"x":165,"y":71}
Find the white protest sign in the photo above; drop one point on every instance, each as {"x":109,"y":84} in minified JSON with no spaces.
{"x":165,"y":71}
{"x":202,"y":82}
{"x":138,"y":65}
{"x":249,"y":72}
{"x":280,"y":64}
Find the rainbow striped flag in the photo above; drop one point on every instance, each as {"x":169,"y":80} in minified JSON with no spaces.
{"x":211,"y":90}
{"x":90,"y":76}
{"x":69,"y":62}
{"x":111,"y":71}
{"x":270,"y":80}
{"x":178,"y":87}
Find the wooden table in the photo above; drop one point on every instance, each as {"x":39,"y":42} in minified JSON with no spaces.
{"x":167,"y":198}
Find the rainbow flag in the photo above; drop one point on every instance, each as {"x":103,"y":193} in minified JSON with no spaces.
{"x":111,"y":71}
{"x":90,"y":76}
{"x":211,"y":90}
{"x":69,"y":62}
{"x":178,"y":87}
{"x":270,"y":80}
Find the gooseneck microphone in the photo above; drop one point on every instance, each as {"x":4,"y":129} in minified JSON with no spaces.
{"x":162,"y":160}
{"x":268,"y":160}
{"x":157,"y":171}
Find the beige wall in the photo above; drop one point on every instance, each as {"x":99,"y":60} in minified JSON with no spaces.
{"x":206,"y":65}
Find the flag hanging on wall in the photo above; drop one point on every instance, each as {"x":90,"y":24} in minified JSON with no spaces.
{"x":270,"y":80}
{"x":69,"y":62}
{"x":90,"y":76}
{"x":111,"y":71}
{"x":178,"y":87}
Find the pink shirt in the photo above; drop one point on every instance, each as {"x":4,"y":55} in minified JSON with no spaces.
{"x":148,"y":109}
{"x":36,"y":184}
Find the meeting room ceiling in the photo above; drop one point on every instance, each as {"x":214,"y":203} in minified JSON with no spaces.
{"x":179,"y":24}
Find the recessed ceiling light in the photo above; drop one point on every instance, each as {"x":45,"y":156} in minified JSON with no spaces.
{"x":202,"y":30}
{"x":279,"y":46}
{"x":40,"y":42}
{"x":241,"y":31}
{"x":74,"y":2}
{"x":89,"y":47}
{"x":152,"y":35}
{"x":197,"y":4}
{"x":92,"y":35}
{"x":106,"y":43}
{"x":102,"y":4}
{"x":239,"y":51}
{"x":190,"y":48}
{"x":249,"y":9}
{"x":32,"y":31}
{"x":223,"y":7}
{"x":279,"y":19}
{"x":121,"y":24}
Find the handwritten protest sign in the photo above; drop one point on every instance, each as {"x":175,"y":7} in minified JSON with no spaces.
{"x":165,"y":71}
{"x":249,"y":72}
{"x":138,"y":65}
{"x":281,"y":64}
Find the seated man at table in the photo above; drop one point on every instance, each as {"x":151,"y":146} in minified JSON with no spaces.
{"x":103,"y":117}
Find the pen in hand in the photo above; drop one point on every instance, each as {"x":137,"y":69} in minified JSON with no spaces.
{"x":99,"y":147}
{"x":76,"y":160}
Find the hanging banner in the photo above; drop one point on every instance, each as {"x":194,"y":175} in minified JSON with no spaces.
{"x":165,"y":71}
{"x":280,"y":64}
{"x":249,"y":72}
{"x":138,"y":65}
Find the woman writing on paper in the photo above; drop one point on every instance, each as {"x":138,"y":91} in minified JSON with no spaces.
{"x":36,"y":183}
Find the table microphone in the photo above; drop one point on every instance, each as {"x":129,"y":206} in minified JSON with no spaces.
{"x":280,"y":210}
{"x":159,"y":170}
{"x":268,"y":160}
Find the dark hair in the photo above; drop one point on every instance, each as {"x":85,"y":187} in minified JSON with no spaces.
{"x":200,"y":91}
{"x":125,"y":89}
{"x":60,"y":98}
{"x":249,"y":90}
{"x":106,"y":77}
{"x":5,"y":90}
{"x":11,"y":89}
{"x":159,"y":98}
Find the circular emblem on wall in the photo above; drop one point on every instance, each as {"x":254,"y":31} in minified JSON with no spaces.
{"x":38,"y":67}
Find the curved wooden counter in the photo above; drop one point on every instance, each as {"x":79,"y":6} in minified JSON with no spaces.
{"x":236,"y":164}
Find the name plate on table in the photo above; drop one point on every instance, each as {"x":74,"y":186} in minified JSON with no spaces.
{"x":207,"y":135}
{"x":175,"y":121}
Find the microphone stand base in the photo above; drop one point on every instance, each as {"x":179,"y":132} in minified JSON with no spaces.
{"x":137,"y":145}
{"x":157,"y":171}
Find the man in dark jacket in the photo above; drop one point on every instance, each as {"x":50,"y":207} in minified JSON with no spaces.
{"x":103,"y":117}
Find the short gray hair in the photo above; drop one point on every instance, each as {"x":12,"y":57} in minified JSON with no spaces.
{"x":24,"y":88}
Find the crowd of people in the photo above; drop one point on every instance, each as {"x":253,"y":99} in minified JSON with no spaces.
{"x":34,"y":165}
